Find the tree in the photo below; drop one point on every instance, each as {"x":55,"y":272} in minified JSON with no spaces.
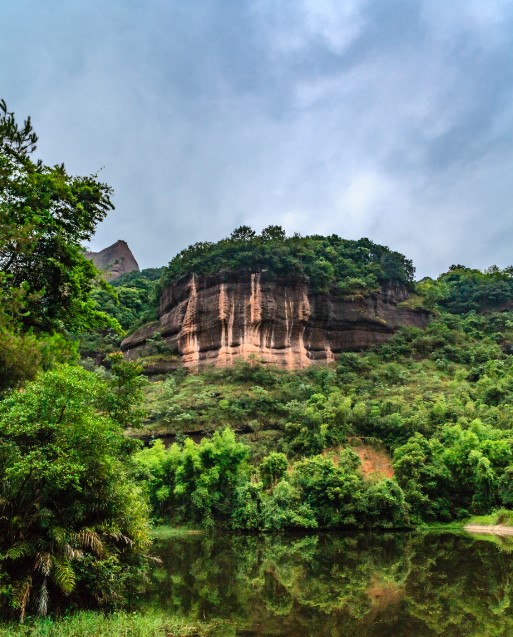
{"x":124,"y":391}
{"x":73,"y":524}
{"x":272,"y":468}
{"x":334,"y":492}
{"x":243,"y":233}
{"x":196,"y":482}
{"x":45,"y":217}
{"x":273,"y":233}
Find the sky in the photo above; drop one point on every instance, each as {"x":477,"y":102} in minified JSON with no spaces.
{"x":386,"y":119}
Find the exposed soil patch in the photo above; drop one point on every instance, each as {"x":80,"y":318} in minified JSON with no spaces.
{"x":374,"y":461}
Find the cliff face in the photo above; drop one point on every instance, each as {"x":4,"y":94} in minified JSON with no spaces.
{"x":215,"y":319}
{"x":114,"y":261}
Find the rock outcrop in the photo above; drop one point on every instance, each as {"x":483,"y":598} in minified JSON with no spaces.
{"x":114,"y":261}
{"x":216,"y":319}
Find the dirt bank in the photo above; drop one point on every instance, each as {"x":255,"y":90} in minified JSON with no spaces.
{"x":495,"y":529}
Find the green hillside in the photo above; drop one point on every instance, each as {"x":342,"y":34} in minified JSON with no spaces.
{"x":417,"y":430}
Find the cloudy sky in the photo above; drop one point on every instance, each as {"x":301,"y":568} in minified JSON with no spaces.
{"x":390,"y":119}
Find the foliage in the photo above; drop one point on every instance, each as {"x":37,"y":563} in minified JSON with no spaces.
{"x":461,"y":289}
{"x":73,"y":525}
{"x":211,"y":482}
{"x":349,"y":267}
{"x":124,"y":391}
{"x":20,"y":357}
{"x":45,"y":216}
{"x":116,"y":624}
{"x":459,"y":470}
{"x":132,"y":299}
{"x":439,"y":399}
{"x":272,"y":468}
{"x":196,"y":482}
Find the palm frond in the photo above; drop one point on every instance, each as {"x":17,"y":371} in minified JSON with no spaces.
{"x":91,"y":540}
{"x":63,"y":575}
{"x":43,"y":563}
{"x":21,"y":596}
{"x":17,"y":550}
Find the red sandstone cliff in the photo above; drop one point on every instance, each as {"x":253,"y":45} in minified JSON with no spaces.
{"x":215,"y":319}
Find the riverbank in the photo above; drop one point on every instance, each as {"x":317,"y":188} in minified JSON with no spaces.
{"x":497,"y":529}
{"x":119,"y":624}
{"x":498,"y":522}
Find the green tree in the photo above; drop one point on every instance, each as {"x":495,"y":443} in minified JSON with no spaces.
{"x":123,"y":398}
{"x":73,"y":524}
{"x":197,"y":482}
{"x":243,"y":233}
{"x":273,"y":233}
{"x":45,"y":217}
{"x":334,"y":492}
{"x":272,"y":468}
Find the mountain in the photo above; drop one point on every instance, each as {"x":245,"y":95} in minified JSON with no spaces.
{"x":114,"y":261}
{"x":288,"y":301}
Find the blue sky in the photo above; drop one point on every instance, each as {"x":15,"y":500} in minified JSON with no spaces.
{"x":387,"y":119}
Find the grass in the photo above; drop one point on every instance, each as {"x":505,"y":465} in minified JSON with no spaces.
{"x":170,"y":532}
{"x":500,"y":516}
{"x":119,"y":624}
{"x":455,"y":525}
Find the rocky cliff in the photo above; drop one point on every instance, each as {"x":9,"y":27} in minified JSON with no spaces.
{"x":216,"y":319}
{"x":114,"y":261}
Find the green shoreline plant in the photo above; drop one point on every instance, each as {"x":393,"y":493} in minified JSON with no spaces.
{"x":73,"y":522}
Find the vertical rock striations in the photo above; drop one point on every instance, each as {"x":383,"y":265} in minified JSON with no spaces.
{"x":216,"y":319}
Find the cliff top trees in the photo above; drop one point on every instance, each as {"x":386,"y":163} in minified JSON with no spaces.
{"x":351,"y":267}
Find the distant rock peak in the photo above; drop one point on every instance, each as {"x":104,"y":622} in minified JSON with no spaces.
{"x":114,"y":261}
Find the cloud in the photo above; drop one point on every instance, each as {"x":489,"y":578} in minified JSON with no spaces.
{"x":390,"y":120}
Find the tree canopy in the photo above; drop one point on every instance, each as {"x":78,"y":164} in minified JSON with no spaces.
{"x":340,"y":265}
{"x":71,"y":517}
{"x":45,"y":217}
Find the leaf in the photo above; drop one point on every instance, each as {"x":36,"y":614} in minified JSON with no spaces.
{"x":64,"y":576}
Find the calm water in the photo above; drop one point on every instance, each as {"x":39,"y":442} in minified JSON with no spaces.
{"x":390,"y":585}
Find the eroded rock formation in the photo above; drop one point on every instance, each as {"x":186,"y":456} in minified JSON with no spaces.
{"x":216,"y":319}
{"x":114,"y":261}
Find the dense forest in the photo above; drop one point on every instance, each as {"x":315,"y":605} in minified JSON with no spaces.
{"x":414,"y":431}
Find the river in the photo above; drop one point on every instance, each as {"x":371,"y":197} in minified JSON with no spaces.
{"x":366,"y":585}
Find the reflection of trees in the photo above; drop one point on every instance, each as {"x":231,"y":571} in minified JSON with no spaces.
{"x":365,"y":585}
{"x":462,"y":586}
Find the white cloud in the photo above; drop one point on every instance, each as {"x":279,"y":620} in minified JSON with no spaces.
{"x":391,"y":120}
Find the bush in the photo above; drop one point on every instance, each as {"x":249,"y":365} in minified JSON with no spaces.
{"x":73,"y":524}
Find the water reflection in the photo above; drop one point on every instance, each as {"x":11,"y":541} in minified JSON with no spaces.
{"x":388,"y":585}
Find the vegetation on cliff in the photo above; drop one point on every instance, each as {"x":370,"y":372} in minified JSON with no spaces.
{"x":349,"y":267}
{"x":437,"y":401}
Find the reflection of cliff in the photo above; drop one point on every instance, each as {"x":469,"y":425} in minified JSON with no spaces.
{"x":283,"y":321}
{"x":114,"y":261}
